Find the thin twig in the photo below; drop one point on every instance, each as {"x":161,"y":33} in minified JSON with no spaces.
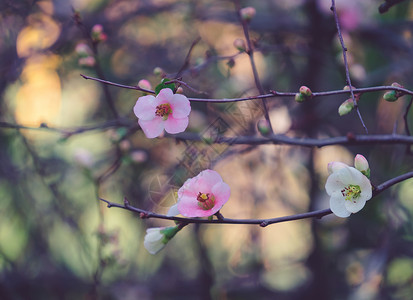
{"x":261,"y":222}
{"x":250,"y":52}
{"x":344,"y":49}
{"x":187,"y":58}
{"x":273,"y":93}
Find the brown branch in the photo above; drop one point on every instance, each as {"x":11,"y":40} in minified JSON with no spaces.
{"x":261,"y":222}
{"x":344,"y":50}
{"x":250,"y":52}
{"x":273,"y":93}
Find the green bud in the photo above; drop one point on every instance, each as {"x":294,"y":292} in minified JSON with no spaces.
{"x":390,"y":96}
{"x":263,"y":127}
{"x":346,"y":107}
{"x":300,"y":97}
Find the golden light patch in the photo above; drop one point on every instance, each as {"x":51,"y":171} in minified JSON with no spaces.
{"x":38,"y":99}
{"x":40,"y":34}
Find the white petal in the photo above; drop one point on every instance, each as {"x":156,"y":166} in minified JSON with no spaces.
{"x":355,"y":205}
{"x":334,"y":183}
{"x":337,"y":206}
{"x":173,"y":210}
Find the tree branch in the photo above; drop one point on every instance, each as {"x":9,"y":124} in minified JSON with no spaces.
{"x":261,"y":222}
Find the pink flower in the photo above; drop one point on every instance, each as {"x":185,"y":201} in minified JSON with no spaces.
{"x":201,"y":196}
{"x":167,"y":111}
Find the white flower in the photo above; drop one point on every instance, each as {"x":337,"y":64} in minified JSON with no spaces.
{"x":349,"y":190}
{"x":154,"y":240}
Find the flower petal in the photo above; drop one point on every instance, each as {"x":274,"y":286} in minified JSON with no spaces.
{"x":334,"y":183}
{"x":152,"y":128}
{"x":188,"y":207}
{"x":164,"y":96}
{"x":173,"y":210}
{"x":222,"y":193}
{"x":181,"y":107}
{"x":173,"y":125}
{"x":338,"y":207}
{"x":354,"y":205}
{"x":145,"y":108}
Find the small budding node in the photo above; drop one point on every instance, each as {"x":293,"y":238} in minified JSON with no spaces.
{"x":263,"y":127}
{"x":392,"y":96}
{"x":304,"y":90}
{"x":247,"y":13}
{"x":356,"y":95}
{"x":179,"y":90}
{"x":240,"y":45}
{"x":346,"y":107}
{"x":299,"y":97}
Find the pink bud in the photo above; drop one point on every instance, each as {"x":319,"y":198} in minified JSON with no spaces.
{"x":145,"y":84}
{"x":247,"y":13}
{"x":305,"y":91}
{"x":88,"y":61}
{"x":361,"y":163}
{"x":240,"y":45}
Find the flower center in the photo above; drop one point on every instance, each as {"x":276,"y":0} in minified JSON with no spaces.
{"x":163,"y":110}
{"x":351,"y":192}
{"x":205,"y":201}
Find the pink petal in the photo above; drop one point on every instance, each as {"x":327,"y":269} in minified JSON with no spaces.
{"x":152,"y":128}
{"x":145,"y":108}
{"x":164,"y":96}
{"x":181,"y":107}
{"x":188,"y":207}
{"x":173,"y":125}
{"x":221,"y":192}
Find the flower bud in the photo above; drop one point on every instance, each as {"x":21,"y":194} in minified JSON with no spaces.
{"x":247,"y":13}
{"x":263,"y":127}
{"x":88,"y":61}
{"x":145,"y":84}
{"x":356,"y":95}
{"x":335,"y":166}
{"x":305,"y":91}
{"x":97,"y":33}
{"x":240,"y":45}
{"x":179,"y":90}
{"x":158,"y":72}
{"x":83,"y":50}
{"x":390,"y":96}
{"x":299,"y":97}
{"x":346,"y":107}
{"x":361,"y":164}
{"x":156,"y":238}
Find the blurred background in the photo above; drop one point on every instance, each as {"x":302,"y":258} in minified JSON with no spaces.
{"x":77,"y":140}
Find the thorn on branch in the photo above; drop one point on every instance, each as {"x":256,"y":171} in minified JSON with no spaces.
{"x":264,"y":224}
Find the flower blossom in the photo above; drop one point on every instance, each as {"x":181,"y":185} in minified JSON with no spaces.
{"x":348,"y":189}
{"x":167,"y":111}
{"x":201,"y":196}
{"x":156,"y":238}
